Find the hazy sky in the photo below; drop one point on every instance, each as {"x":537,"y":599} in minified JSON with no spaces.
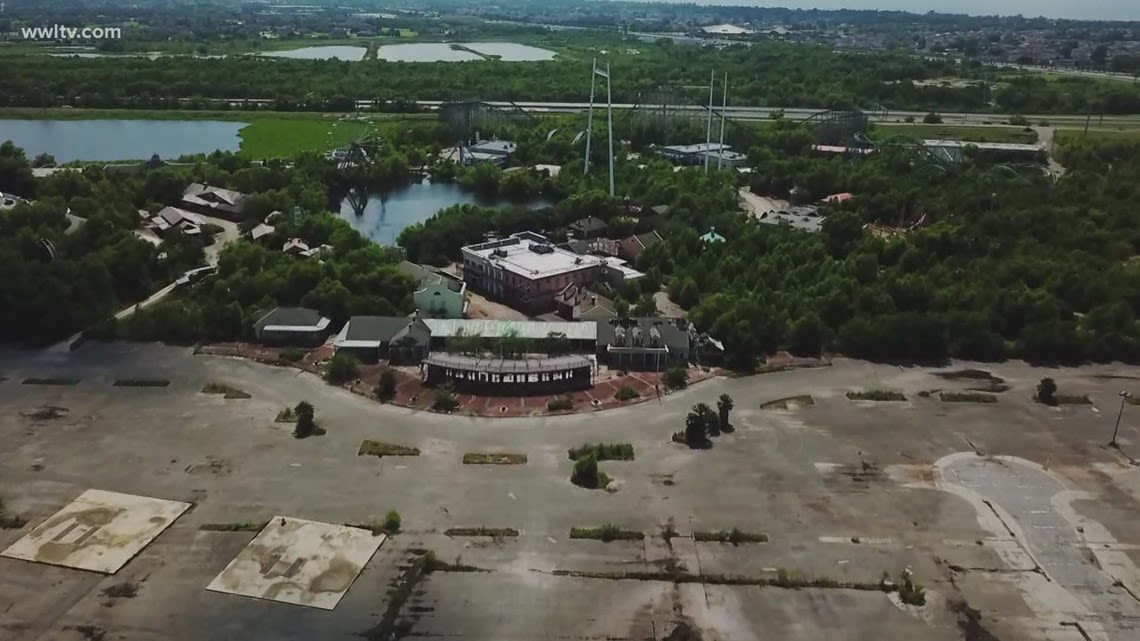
{"x":1086,"y":10}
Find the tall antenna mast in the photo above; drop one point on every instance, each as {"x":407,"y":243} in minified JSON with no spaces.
{"x":590,"y":117}
{"x":708,"y":132}
{"x":610,"y":125}
{"x":723,"y":108}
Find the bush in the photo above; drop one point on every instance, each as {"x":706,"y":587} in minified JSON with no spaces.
{"x":1047,"y":391}
{"x":306,"y":420}
{"x":586,"y":474}
{"x":445,"y":399}
{"x":603,"y":451}
{"x":1019,"y":120}
{"x":392,"y":522}
{"x":734,"y":536}
{"x":386,"y":388}
{"x":910,"y":592}
{"x":493,"y":458}
{"x":967,"y":397}
{"x":291,"y":354}
{"x":608,"y":532}
{"x":676,"y":377}
{"x":562,"y":403}
{"x":342,"y":368}
{"x":626,"y":393}
{"x":932,"y":119}
{"x":227,"y":391}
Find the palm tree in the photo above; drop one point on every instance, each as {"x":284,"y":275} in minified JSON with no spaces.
{"x":724,"y":405}
{"x":305,"y":423}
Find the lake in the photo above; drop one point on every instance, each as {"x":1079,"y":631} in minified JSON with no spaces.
{"x":107,"y":140}
{"x":340,"y":52}
{"x":421,"y":52}
{"x":386,"y":215}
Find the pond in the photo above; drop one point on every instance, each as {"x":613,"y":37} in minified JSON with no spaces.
{"x":386,"y":215}
{"x":340,"y":52}
{"x":107,"y":140}
{"x":443,"y":52}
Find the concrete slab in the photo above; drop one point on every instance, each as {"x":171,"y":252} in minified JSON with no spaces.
{"x":99,"y":531}
{"x":299,"y":562}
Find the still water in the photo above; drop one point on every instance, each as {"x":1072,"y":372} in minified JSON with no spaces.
{"x":386,"y":215}
{"x":107,"y":140}
{"x":421,"y":52}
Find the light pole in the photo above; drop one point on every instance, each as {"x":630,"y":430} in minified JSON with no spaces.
{"x":1124,"y":396}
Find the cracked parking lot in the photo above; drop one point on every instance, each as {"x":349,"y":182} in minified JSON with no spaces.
{"x":845,"y":492}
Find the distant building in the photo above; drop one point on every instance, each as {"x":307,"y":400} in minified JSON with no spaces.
{"x":726,"y":30}
{"x":213,"y":201}
{"x":495,"y":151}
{"x":588,"y":227}
{"x":643,"y":343}
{"x":803,"y":218}
{"x":298,"y":247}
{"x":437,"y":294}
{"x":261,"y":231}
{"x":718,"y":155}
{"x":527,"y":272}
{"x":178,"y":220}
{"x":490,"y":375}
{"x":291,"y":326}
{"x":631,"y":247}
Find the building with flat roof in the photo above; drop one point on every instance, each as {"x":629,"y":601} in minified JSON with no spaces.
{"x":291,"y":326}
{"x":526,"y":271}
{"x":719,"y":155}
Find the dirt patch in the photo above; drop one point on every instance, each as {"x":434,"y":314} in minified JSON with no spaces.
{"x":125,"y":590}
{"x":789,"y":403}
{"x":234,"y":527}
{"x":606,"y":533}
{"x":46,"y":413}
{"x":493,"y":458}
{"x":51,"y":381}
{"x":213,"y":466}
{"x":380,"y":449}
{"x":336,"y":578}
{"x":970,"y":622}
{"x":226,"y":390}
{"x":966,"y":397}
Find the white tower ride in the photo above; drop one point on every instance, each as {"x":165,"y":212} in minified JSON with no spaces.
{"x":609,"y":119}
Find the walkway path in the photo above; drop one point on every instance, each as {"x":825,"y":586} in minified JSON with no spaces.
{"x":1033,"y":508}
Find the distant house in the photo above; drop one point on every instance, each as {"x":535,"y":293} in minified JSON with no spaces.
{"x":298,"y":247}
{"x":399,"y":339}
{"x":631,"y":247}
{"x":437,"y":294}
{"x":291,"y":326}
{"x":642,"y":343}
{"x":261,"y":231}
{"x":577,"y":304}
{"x":836,"y":199}
{"x":173,"y":219}
{"x":588,"y":227}
{"x":213,"y":201}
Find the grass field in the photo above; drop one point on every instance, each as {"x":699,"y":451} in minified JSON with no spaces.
{"x":1098,"y":135}
{"x":279,"y":137}
{"x":964,"y":133}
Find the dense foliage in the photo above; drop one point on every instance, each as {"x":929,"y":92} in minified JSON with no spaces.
{"x":765,"y":74}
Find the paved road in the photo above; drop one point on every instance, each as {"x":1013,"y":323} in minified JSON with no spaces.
{"x":1027,"y":494}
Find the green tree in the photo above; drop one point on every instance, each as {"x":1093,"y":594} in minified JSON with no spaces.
{"x":676,"y":377}
{"x":724,"y":406}
{"x":585,"y":473}
{"x":386,"y":388}
{"x":343,"y":368}
{"x":1047,"y":391}
{"x":697,"y":424}
{"x":306,"y":422}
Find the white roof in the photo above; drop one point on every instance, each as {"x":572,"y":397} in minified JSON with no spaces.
{"x":516,"y":256}
{"x":993,"y":146}
{"x":726,"y":30}
{"x":260,"y":231}
{"x":449,"y":327}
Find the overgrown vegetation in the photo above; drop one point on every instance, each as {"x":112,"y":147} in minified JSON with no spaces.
{"x":495,"y":533}
{"x":306,"y":421}
{"x":124,"y":590}
{"x":967,"y":397}
{"x":445,"y":399}
{"x":586,"y":473}
{"x":228,"y":391}
{"x":343,"y":368}
{"x":676,"y":377}
{"x":291,"y":354}
{"x":733,"y":536}
{"x":791,"y":402}
{"x":493,"y":458}
{"x":626,"y":393}
{"x":51,"y":381}
{"x":386,"y":387}
{"x":561,"y":404}
{"x":701,"y":423}
{"x":287,"y":415}
{"x":603,"y":451}
{"x":380,"y":449}
{"x":606,"y":533}
{"x":876,"y":395}
{"x":389,"y":525}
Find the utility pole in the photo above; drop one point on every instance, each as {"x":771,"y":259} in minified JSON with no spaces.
{"x":610,"y":125}
{"x":708,"y":132}
{"x":723,"y":108}
{"x":1124,"y":396}
{"x":590,"y":117}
